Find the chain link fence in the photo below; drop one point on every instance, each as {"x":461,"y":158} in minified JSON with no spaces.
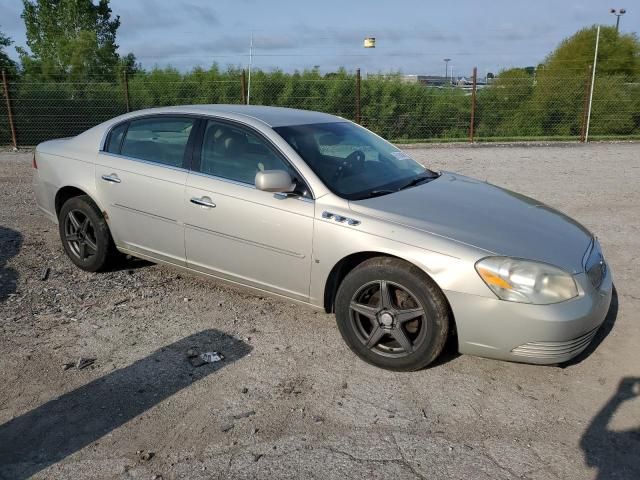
{"x":515,"y":106}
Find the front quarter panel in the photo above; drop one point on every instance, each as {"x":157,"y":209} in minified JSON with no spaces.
{"x":448,"y":263}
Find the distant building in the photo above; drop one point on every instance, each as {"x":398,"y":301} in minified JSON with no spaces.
{"x":438,"y":81}
{"x":429,"y":80}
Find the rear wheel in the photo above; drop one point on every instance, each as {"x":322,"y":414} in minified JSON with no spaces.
{"x":85,"y":234}
{"x":392,"y":315}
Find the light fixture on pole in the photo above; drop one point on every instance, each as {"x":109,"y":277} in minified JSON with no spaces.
{"x":618,"y":13}
{"x":370,"y":42}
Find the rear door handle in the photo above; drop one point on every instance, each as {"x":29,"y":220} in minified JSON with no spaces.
{"x":203,"y":202}
{"x":113,"y":178}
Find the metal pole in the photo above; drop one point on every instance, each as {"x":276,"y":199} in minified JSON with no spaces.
{"x":473,"y":104}
{"x":243,"y":83}
{"x":617,"y":23}
{"x":358,"y":119}
{"x":585,"y":107}
{"x":126,"y":91}
{"x":593,"y":81}
{"x":250,"y":62}
{"x":9,"y":112}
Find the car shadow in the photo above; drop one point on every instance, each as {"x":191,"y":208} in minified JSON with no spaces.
{"x":450,"y":352}
{"x":601,"y":334}
{"x":64,"y":425}
{"x":10,"y":243}
{"x":127,"y":262}
{"x":614,"y":453}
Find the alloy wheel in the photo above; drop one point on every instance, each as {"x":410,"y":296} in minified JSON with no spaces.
{"x":80,"y":235}
{"x":387,"y":318}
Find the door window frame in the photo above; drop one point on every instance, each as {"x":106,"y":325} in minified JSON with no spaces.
{"x":196,"y":153}
{"x":188,"y":151}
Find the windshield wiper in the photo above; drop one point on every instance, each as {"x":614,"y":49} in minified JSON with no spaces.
{"x":377,"y":193}
{"x":419,"y":179}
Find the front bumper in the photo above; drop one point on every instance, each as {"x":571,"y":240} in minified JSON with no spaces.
{"x":519,"y":332}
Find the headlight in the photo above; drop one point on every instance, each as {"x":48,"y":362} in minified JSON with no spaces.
{"x":524,"y":281}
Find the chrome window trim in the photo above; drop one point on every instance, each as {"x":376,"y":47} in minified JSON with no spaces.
{"x":148,"y":162}
{"x":240,"y":184}
{"x":262,"y":136}
{"x":205,"y":117}
{"x":102,"y":145}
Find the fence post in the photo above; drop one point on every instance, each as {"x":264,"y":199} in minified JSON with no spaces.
{"x":243,"y":83}
{"x":125,"y":83}
{"x":473,"y":104}
{"x":585,"y":106}
{"x":593,"y":81}
{"x":9,"y":112}
{"x":358,"y":119}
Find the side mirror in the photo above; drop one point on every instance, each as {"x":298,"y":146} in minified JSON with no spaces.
{"x":277,"y":181}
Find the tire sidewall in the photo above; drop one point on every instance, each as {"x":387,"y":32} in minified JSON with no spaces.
{"x":426,"y":293}
{"x":103,"y":237}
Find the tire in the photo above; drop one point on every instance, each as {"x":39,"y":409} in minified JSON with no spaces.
{"x":85,"y":234}
{"x":405,"y":332}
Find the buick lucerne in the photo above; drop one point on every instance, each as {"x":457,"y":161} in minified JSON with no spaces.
{"x":319,"y":210}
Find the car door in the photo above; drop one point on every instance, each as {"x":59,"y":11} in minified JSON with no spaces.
{"x":140,"y":178}
{"x":237,"y":232}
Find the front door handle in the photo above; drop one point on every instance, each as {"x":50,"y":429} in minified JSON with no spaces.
{"x":113,"y":178}
{"x":203,"y":202}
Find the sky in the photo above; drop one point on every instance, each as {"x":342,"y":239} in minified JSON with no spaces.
{"x":412,"y":36}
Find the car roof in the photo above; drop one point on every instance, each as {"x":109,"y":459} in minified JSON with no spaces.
{"x":272,"y":116}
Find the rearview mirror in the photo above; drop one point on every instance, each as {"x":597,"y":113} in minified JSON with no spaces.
{"x":274,"y":181}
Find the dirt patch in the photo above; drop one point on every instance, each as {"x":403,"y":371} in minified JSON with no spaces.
{"x":289,"y":400}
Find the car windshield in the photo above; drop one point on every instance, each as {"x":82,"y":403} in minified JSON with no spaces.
{"x":353,"y":162}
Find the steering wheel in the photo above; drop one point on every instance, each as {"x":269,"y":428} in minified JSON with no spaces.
{"x":354,"y":163}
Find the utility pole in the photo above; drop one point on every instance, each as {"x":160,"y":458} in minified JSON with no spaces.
{"x":250,"y":63}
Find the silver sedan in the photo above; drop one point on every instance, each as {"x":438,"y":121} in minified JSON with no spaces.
{"x":316,"y":209}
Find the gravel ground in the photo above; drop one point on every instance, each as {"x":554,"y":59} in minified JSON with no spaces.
{"x":290,"y":400}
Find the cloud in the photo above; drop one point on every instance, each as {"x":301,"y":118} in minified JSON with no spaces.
{"x":156,"y":18}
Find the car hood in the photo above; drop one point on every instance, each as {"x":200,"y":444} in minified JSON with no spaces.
{"x":487,"y":217}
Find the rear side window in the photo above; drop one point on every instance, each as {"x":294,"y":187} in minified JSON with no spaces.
{"x":115,"y":138}
{"x":161,"y":140}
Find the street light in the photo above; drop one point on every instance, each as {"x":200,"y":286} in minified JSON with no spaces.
{"x":618,"y":13}
{"x":446,"y":68}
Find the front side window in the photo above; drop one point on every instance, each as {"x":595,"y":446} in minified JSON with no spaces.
{"x":237,"y":154}
{"x":161,"y":140}
{"x":353,"y":162}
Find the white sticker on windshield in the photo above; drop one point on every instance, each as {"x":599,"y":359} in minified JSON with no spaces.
{"x":400,"y":155}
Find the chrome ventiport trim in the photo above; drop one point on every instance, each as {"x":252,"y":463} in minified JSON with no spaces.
{"x":341,"y":219}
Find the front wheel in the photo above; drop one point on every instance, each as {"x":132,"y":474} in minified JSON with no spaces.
{"x":85,"y":234}
{"x":392,"y":315}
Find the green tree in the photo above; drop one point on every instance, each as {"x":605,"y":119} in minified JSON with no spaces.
{"x":505,"y":108}
{"x":70,"y":38}
{"x":562,"y":78}
{"x":5,"y":62}
{"x":618,"y":54}
{"x":129,"y":63}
